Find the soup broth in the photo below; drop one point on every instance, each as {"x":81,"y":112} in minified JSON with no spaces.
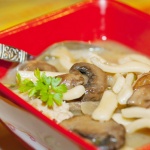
{"x":118,"y":63}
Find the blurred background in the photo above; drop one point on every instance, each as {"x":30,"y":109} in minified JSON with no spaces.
{"x":13,"y":12}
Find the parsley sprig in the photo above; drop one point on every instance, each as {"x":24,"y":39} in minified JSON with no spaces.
{"x":46,"y":88}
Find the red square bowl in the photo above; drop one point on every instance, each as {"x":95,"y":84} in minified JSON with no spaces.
{"x":88,"y":21}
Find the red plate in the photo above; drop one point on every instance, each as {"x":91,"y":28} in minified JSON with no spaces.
{"x":94,"y":20}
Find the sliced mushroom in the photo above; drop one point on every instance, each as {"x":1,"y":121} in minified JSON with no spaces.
{"x":95,"y":80}
{"x":34,"y":64}
{"x":140,"y":97}
{"x":92,"y":78}
{"x":110,"y":134}
{"x":145,"y":79}
{"x":72,"y":79}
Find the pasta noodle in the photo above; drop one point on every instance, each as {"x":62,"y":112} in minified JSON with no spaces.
{"x":104,"y":110}
{"x":30,"y":74}
{"x":118,"y":117}
{"x":118,"y":84}
{"x":135,"y":57}
{"x":127,"y":89}
{"x":124,"y":94}
{"x":136,"y":112}
{"x":131,"y":66}
{"x":74,"y":93}
{"x":138,"y":124}
{"x":65,"y":57}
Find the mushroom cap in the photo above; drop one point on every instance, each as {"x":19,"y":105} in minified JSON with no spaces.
{"x":143,"y":80}
{"x":34,"y":64}
{"x":95,"y":80}
{"x":71,"y":80}
{"x":140,"y":97}
{"x":108,"y":134}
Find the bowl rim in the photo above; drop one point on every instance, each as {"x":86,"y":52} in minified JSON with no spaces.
{"x":62,"y":12}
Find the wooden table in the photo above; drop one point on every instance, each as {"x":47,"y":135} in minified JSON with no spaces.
{"x":9,"y":141}
{"x":13,"y":12}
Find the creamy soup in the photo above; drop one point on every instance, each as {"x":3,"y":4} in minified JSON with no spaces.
{"x":106,"y":101}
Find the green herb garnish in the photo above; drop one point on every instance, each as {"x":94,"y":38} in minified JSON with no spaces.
{"x":46,"y":88}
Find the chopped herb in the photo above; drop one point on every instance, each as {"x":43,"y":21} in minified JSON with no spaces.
{"x":46,"y":88}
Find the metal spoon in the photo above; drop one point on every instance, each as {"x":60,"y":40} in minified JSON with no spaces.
{"x":12,"y":54}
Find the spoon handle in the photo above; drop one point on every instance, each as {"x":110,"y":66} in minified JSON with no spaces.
{"x":12,"y":54}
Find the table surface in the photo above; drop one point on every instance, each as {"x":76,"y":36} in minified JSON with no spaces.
{"x":13,"y":12}
{"x":8,"y":141}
